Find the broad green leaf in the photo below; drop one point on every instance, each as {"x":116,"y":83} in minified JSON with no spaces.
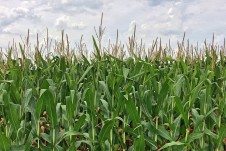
{"x":139,"y":143}
{"x":97,"y":52}
{"x":27,"y":97}
{"x":125,"y":72}
{"x":173,"y":143}
{"x":105,"y":131}
{"x":46,"y":137}
{"x":181,"y":110}
{"x":81,"y":121}
{"x":50,"y":107}
{"x":210,"y":133}
{"x":164,"y":133}
{"x":221,"y":135}
{"x":192,"y":137}
{"x":104,"y":86}
{"x":4,"y":142}
{"x":85,"y":73}
{"x":132,"y":111}
{"x":40,"y":103}
{"x":178,"y":85}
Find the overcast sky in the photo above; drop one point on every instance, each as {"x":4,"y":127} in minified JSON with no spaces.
{"x":154,"y":18}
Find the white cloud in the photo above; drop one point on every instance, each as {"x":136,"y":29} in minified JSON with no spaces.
{"x":80,"y":25}
{"x":65,"y":22}
{"x":73,"y":6}
{"x":8,"y":29}
{"x":154,"y":18}
{"x":14,"y":15}
{"x":170,"y":13}
{"x":62,"y":22}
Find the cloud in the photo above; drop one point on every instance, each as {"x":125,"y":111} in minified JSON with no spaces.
{"x":157,"y":2}
{"x":73,"y":6}
{"x":65,"y":22}
{"x":7,"y":30}
{"x":83,"y":3}
{"x":62,"y":22}
{"x":14,"y":15}
{"x":153,"y":18}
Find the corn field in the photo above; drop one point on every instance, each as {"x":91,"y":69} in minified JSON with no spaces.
{"x":119,"y":97}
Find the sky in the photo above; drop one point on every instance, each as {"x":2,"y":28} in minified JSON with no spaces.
{"x":167,"y":19}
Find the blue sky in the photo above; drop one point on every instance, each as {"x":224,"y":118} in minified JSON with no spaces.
{"x":154,"y":18}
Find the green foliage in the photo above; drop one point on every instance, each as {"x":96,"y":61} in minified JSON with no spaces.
{"x":109,"y":102}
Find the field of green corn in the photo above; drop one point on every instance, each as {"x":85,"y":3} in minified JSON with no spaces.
{"x":117,"y":98}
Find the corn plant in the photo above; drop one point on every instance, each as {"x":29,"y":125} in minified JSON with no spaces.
{"x":118,"y":98}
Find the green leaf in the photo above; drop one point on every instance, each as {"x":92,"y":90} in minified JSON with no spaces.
{"x":125,"y":72}
{"x":160,"y":131}
{"x":181,"y":110}
{"x":194,"y":136}
{"x":173,"y":143}
{"x":22,"y":51}
{"x":139,"y":143}
{"x":71,"y":105}
{"x":97,"y":49}
{"x":50,"y":107}
{"x":164,"y":133}
{"x":105,"y":105}
{"x":221,"y":135}
{"x":64,"y":135}
{"x":27,"y":97}
{"x":85,"y":73}
{"x":194,"y":93}
{"x":105,"y":131}
{"x":80,"y":123}
{"x":132,"y":111}
{"x":105,"y":89}
{"x":14,"y":116}
{"x":178,"y":85}
{"x":46,"y":137}
{"x":210,"y":133}
{"x":4,"y":142}
{"x":40,"y":104}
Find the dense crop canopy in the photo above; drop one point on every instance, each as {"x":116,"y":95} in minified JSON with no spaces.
{"x":111,"y":102}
